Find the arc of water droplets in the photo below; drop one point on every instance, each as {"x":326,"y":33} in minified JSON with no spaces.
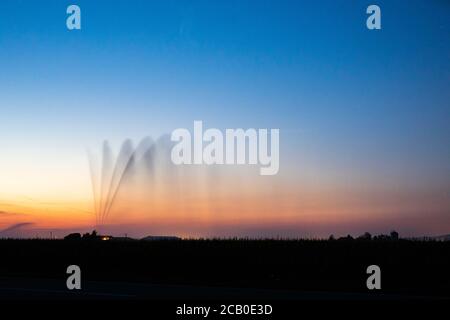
{"x":108,"y":178}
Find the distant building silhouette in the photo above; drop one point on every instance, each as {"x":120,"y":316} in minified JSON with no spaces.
{"x":73,"y":236}
{"x":152,"y":238}
{"x":87,"y":236}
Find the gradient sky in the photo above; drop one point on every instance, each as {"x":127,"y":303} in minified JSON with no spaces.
{"x":364,"y":116}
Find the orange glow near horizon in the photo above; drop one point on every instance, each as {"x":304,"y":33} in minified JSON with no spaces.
{"x":198,"y":208}
{"x":202,"y":202}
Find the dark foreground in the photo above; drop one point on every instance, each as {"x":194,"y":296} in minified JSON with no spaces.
{"x":218,"y":269}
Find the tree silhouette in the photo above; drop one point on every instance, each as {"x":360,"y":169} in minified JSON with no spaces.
{"x":394,"y":235}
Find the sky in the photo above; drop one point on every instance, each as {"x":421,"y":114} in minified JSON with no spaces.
{"x":364,"y":115}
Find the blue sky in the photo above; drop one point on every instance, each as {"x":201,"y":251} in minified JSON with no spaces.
{"x":265,"y":63}
{"x":346,"y":99}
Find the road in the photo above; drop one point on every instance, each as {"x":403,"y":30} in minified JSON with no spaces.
{"x":32,"y":288}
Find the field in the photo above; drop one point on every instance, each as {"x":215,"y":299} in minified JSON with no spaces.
{"x":291,"y":267}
